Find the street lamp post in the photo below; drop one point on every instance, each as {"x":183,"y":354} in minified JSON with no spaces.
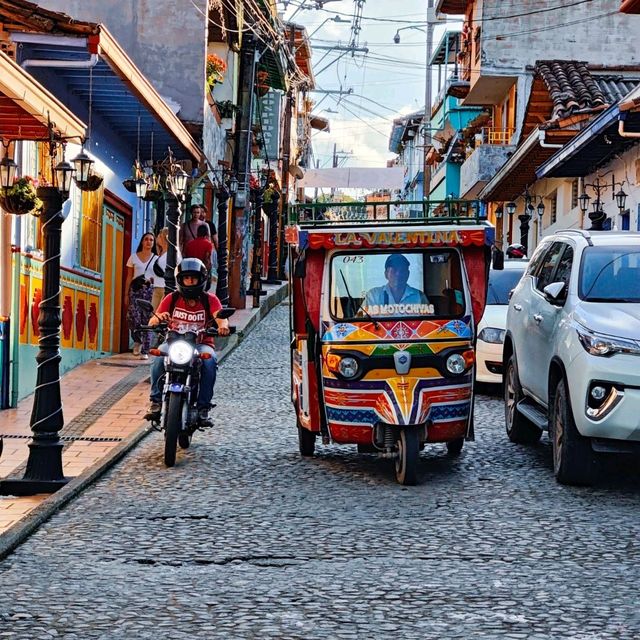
{"x":255,"y":288}
{"x":511,"y":209}
{"x":224,"y":193}
{"x":44,"y":473}
{"x":271,"y":209}
{"x":597,"y":214}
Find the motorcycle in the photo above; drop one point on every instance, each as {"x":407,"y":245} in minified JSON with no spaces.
{"x":183,"y":357}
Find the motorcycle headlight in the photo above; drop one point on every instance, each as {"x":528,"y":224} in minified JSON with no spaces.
{"x":348,"y":367}
{"x":598,"y":344}
{"x":180,"y":352}
{"x":492,"y":335}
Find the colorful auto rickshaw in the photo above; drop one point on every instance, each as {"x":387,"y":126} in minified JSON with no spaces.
{"x":383,"y":317}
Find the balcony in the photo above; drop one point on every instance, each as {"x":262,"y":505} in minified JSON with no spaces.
{"x":491,"y":152}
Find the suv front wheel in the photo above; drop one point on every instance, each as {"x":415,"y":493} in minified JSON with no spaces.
{"x":573,"y":459}
{"x":519,"y":429}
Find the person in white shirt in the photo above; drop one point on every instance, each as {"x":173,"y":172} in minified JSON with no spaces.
{"x":397,"y":296}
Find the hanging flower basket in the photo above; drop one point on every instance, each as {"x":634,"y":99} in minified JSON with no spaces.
{"x":152,"y":195}
{"x":129,"y":184}
{"x":216,"y":68}
{"x":21,"y":198}
{"x":93,"y":183}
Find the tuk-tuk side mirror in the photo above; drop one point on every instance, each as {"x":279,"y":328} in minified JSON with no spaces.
{"x":300,"y":266}
{"x":498,"y":259}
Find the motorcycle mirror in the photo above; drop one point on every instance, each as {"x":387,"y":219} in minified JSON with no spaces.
{"x":226,"y":312}
{"x":498,"y":259}
{"x":145,"y":304}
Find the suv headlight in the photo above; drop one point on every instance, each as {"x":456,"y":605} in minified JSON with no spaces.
{"x":492,"y":335}
{"x":598,"y":344}
{"x":180,"y":352}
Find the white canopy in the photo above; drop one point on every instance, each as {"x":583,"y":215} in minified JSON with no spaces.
{"x":354,"y":178}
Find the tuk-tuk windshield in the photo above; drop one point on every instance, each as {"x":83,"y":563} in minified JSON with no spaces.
{"x":425,"y":282}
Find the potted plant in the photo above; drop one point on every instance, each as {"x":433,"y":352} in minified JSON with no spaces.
{"x":216,"y":68}
{"x":93,"y":182}
{"x":21,"y":197}
{"x":227,"y":109}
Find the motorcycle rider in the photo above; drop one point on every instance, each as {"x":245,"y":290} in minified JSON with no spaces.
{"x":185,"y":309}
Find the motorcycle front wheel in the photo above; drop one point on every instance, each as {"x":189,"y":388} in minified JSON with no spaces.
{"x":172,"y":428}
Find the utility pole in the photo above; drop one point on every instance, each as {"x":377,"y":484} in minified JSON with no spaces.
{"x":426,"y":122}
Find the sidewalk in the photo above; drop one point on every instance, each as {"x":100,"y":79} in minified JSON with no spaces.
{"x":104,"y":402}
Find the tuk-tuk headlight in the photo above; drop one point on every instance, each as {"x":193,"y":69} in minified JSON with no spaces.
{"x":348,"y":367}
{"x":456,"y":364}
{"x":180,"y":352}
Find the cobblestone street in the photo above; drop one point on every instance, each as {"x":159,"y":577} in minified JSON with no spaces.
{"x":245,"y":539}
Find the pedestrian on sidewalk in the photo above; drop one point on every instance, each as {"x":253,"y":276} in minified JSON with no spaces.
{"x":203,"y":249}
{"x":190,"y":308}
{"x":160,"y":265}
{"x":189,"y":230}
{"x":139,"y":286}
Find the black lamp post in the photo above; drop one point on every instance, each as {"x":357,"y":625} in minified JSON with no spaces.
{"x":222,"y":289}
{"x":597,"y":214}
{"x":540,"y":210}
{"x":44,"y":466}
{"x":511,"y":209}
{"x":176,"y":185}
{"x":271,"y":209}
{"x":255,"y":288}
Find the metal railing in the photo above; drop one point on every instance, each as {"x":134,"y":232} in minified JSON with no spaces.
{"x":404,"y":212}
{"x":494,"y":135}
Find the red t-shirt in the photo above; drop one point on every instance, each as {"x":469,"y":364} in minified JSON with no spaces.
{"x":200,"y":248}
{"x":190,"y":318}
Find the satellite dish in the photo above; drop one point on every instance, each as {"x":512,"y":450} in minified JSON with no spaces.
{"x":296,"y":171}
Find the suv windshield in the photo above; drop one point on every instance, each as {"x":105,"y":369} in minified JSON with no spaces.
{"x":396,"y":284}
{"x":501,"y":283}
{"x":610,"y":274}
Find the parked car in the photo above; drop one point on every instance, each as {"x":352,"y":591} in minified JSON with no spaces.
{"x":491,"y":328}
{"x":572,"y":350}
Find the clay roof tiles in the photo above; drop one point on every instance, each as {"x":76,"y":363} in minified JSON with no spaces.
{"x":572,"y":87}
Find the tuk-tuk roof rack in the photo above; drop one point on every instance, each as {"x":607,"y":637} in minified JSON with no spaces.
{"x":451,"y":211}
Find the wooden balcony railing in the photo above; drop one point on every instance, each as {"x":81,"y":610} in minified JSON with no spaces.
{"x":493,"y":135}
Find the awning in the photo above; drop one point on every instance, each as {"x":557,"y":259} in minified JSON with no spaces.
{"x":520,"y":170}
{"x":119,"y":92}
{"x":446,"y":50}
{"x":26,"y":107}
{"x":592,"y":147}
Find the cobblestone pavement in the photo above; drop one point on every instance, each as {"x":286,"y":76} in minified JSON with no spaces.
{"x":244,"y":539}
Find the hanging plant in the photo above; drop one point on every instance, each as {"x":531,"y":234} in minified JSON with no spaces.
{"x":93,"y":182}
{"x":227,"y":109}
{"x":216,"y":68}
{"x":21,"y":197}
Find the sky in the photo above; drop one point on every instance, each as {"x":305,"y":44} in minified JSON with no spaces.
{"x":387,"y":82}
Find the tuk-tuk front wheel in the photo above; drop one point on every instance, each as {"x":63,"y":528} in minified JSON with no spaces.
{"x":306,"y":441}
{"x":408,"y":445}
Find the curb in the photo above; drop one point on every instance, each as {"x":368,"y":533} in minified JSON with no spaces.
{"x":19,"y":532}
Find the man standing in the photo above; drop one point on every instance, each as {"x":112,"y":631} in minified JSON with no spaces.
{"x":189,"y":230}
{"x":201,"y":248}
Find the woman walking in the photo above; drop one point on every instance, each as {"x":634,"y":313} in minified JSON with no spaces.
{"x":139,"y":286}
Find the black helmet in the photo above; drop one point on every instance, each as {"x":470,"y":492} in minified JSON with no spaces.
{"x":196,"y":269}
{"x":516,"y":251}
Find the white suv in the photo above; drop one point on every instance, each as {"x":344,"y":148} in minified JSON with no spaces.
{"x":572,"y":349}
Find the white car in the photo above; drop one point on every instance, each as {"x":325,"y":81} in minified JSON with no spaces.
{"x":491,"y":329}
{"x":572,"y":350}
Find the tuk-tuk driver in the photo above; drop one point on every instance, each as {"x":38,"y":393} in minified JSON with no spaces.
{"x":397,"y":296}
